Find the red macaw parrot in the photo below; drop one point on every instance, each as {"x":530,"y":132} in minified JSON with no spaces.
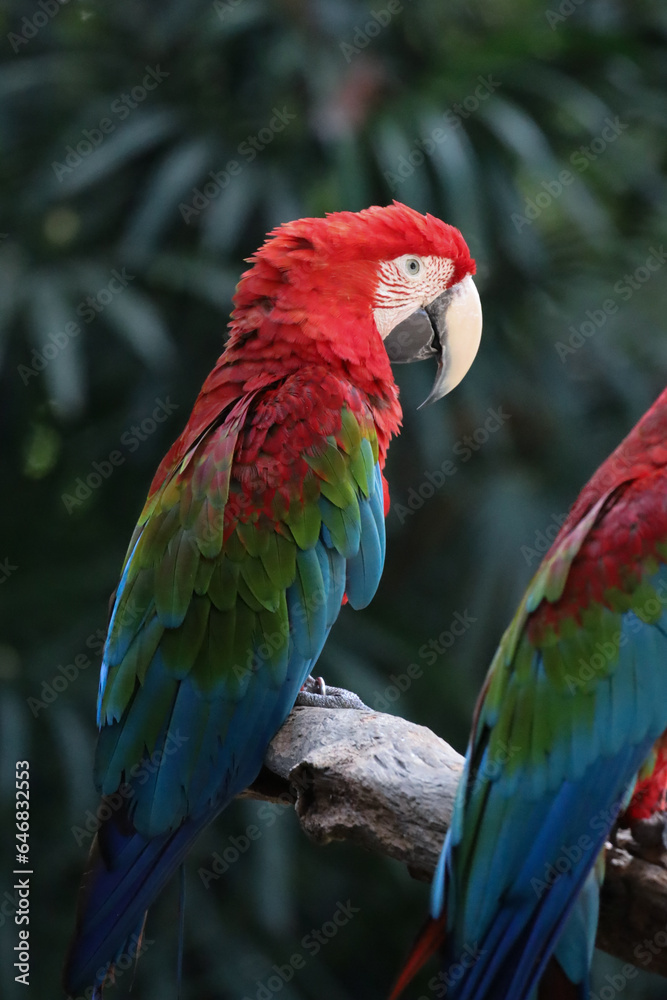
{"x":578,"y":691}
{"x":266,"y":514}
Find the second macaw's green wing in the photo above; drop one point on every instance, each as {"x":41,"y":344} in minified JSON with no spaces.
{"x":574,"y":699}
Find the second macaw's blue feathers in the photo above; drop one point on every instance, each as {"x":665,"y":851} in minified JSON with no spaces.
{"x":567,"y":744}
{"x":572,"y":705}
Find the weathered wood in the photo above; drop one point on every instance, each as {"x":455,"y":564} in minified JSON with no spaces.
{"x":388,"y":785}
{"x":633,"y":906}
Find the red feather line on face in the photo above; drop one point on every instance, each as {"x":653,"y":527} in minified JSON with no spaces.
{"x":429,"y":942}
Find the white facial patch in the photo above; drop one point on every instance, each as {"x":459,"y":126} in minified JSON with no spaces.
{"x":398,"y":293}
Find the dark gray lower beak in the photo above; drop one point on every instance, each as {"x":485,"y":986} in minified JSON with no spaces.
{"x":449,"y":329}
{"x":422,"y":335}
{"x":414,"y":339}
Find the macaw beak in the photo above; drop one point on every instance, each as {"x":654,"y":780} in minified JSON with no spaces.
{"x":449,"y":328}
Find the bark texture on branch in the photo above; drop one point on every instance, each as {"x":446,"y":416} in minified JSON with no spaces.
{"x":388,"y":785}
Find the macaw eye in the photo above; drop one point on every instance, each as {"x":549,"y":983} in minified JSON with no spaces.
{"x":413,"y":266}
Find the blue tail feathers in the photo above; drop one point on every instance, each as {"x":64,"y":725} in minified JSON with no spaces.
{"x":124,"y":874}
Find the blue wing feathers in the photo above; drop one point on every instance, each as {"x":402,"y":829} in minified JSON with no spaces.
{"x":574,"y":950}
{"x":306,"y":604}
{"x":522,"y":888}
{"x":184,"y":779}
{"x":365,"y":568}
{"x":111,"y":654}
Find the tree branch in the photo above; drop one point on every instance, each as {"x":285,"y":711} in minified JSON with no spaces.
{"x":388,"y":785}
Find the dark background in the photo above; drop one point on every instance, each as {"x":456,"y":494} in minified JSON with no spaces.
{"x":367,"y":96}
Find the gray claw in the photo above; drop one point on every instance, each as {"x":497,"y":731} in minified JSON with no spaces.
{"x":316,"y":694}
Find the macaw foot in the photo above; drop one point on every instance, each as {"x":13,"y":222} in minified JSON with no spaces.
{"x":316,"y":694}
{"x":651,"y":833}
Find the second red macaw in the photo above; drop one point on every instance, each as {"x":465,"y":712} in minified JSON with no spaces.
{"x":578,"y":692}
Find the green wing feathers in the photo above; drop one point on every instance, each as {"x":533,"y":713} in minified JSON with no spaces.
{"x":233,"y":565}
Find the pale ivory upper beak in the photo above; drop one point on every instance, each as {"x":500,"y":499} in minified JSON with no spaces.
{"x":449,"y":328}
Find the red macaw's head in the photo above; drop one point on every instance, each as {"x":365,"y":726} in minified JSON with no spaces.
{"x":386,"y":284}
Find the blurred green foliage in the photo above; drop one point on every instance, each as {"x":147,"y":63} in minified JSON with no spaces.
{"x":115,"y":285}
